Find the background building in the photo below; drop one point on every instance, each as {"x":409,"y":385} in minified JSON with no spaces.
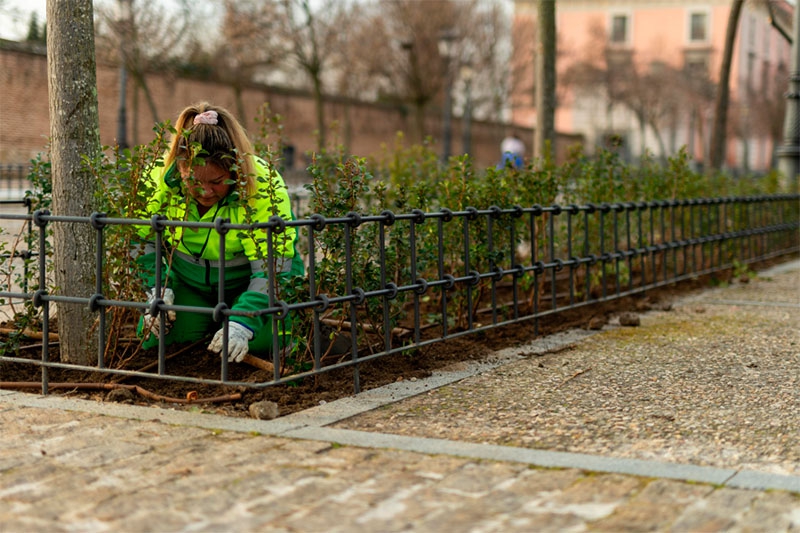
{"x":642,"y":75}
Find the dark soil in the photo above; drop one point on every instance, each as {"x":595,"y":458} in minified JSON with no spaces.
{"x":195,"y":360}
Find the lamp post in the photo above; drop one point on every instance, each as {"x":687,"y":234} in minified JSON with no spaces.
{"x":789,"y":153}
{"x":122,"y":115}
{"x":446,"y":41}
{"x":414,"y":88}
{"x":467,"y":73}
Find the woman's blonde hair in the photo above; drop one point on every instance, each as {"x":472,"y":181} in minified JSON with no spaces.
{"x":225,"y":144}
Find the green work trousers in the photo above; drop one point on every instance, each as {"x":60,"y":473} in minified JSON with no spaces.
{"x":191,"y":326}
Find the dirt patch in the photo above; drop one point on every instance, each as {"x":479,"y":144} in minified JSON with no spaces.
{"x":195,"y":360}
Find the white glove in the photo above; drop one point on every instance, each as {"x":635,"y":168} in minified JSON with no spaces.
{"x":238,"y":337}
{"x":152,"y":322}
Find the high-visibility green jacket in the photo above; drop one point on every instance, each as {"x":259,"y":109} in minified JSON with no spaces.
{"x":193,"y":253}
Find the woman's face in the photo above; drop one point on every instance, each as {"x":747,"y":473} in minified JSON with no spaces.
{"x":207,"y":184}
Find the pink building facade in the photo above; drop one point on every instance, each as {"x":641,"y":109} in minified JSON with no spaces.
{"x":641,"y":76}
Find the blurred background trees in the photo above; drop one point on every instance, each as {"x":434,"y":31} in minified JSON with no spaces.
{"x":401,"y":52}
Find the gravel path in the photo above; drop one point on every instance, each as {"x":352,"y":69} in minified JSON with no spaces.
{"x":715,"y":381}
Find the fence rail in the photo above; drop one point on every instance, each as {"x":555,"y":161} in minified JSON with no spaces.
{"x":412,"y":279}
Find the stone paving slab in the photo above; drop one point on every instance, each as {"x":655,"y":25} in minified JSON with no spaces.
{"x":76,"y":465}
{"x":69,"y":471}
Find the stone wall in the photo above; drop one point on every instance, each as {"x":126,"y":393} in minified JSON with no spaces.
{"x":24,"y":112}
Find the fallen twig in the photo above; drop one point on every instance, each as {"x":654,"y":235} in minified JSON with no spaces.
{"x":38,"y":335}
{"x":345,"y":326}
{"x":573,"y":376}
{"x":191,"y":397}
{"x":258,"y":363}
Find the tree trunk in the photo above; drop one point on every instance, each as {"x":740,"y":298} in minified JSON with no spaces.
{"x":74,"y":133}
{"x":142,"y":83}
{"x":545,"y":80}
{"x":237,"y":97}
{"x":789,"y":152}
{"x":419,"y":121}
{"x":718,"y":140}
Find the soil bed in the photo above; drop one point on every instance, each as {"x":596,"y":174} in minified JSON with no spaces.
{"x":195,"y":360}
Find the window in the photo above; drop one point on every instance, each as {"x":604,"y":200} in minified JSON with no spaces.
{"x":695,"y":63}
{"x":698,"y":27}
{"x":766,"y":79}
{"x":619,"y":29}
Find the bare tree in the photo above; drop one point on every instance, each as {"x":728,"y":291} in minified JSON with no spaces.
{"x":313,"y":37}
{"x":522,"y":64}
{"x":488,"y":52}
{"x":718,"y":135}
{"x":420,"y":31}
{"x":249,"y":43}
{"x":148,"y":39}
{"x":399,"y":46}
{"x":74,"y":133}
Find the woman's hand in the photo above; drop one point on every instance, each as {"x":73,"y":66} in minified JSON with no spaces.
{"x":238,"y":338}
{"x":152,"y":323}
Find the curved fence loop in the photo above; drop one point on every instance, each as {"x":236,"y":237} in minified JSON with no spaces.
{"x":278,"y":223}
{"x":323,"y":303}
{"x":355,"y":219}
{"x":283,"y":310}
{"x":96,"y":222}
{"x":319,"y":222}
{"x":157,"y":223}
{"x":389,"y":217}
{"x":422,"y":286}
{"x":360,"y":294}
{"x":392,"y":288}
{"x":218,"y":315}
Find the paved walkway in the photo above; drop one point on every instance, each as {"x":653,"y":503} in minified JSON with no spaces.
{"x":75,"y":465}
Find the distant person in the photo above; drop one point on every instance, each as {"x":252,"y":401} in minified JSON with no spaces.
{"x":211,"y":172}
{"x":512,"y":151}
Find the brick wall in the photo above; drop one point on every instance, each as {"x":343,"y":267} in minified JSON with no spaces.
{"x":24,"y":122}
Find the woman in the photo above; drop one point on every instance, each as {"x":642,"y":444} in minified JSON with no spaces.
{"x":210,"y":172}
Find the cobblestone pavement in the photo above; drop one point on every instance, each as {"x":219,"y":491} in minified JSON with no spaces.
{"x":80,"y":466}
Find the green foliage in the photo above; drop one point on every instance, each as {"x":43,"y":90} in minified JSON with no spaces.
{"x":20,"y":256}
{"x":405,"y":182}
{"x":123,"y":192}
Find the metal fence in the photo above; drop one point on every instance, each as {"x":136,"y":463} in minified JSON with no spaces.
{"x":14,"y":181}
{"x":409,"y":280}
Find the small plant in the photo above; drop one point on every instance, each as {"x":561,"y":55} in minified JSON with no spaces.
{"x":742,"y":271}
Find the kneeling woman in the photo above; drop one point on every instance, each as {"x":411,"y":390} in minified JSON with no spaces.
{"x":210,"y":172}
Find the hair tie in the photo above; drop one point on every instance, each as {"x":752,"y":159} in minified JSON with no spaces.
{"x":206,"y":117}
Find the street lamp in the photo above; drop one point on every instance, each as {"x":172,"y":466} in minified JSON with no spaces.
{"x":414,"y":89}
{"x":467,"y":73}
{"x":447,"y":52}
{"x":124,"y":32}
